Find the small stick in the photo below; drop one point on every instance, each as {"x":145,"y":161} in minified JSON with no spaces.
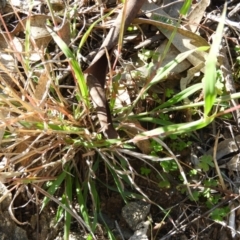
{"x":216,"y":163}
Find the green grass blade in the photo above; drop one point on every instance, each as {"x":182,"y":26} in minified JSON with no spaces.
{"x":53,"y":188}
{"x":185,"y":8}
{"x":158,"y":121}
{"x":95,"y":201}
{"x":163,"y":72}
{"x":181,"y":96}
{"x":82,"y":203}
{"x":173,"y":129}
{"x":110,"y":234}
{"x":210,"y":77}
{"x":76,"y":216}
{"x":74,"y":65}
{"x":88,"y":32}
{"x":117,"y":182}
{"x":68,"y":201}
{"x":60,"y":211}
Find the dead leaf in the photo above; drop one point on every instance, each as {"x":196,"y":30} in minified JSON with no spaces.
{"x":8,"y":62}
{"x":225,"y":147}
{"x":171,"y":55}
{"x":184,"y":40}
{"x":42,"y":87}
{"x":184,"y":82}
{"x":196,"y":15}
{"x":39,"y":33}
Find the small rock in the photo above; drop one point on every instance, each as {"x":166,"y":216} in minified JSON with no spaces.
{"x":9,"y":230}
{"x":141,"y":231}
{"x":7,"y":197}
{"x":135,"y":212}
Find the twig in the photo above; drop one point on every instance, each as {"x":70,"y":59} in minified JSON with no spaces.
{"x":216,"y":163}
{"x":227,"y":21}
{"x":234,"y":11}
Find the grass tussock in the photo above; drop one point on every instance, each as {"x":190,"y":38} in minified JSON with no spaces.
{"x":51,"y":138}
